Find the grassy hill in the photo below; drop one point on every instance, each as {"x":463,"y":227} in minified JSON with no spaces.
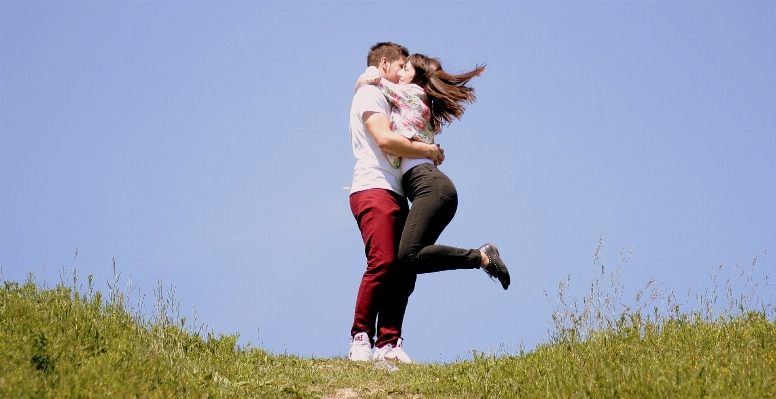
{"x":59,"y":343}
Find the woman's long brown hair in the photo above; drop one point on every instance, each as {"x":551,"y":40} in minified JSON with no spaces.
{"x":446,"y":92}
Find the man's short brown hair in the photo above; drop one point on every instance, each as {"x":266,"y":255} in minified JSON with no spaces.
{"x":389,"y":50}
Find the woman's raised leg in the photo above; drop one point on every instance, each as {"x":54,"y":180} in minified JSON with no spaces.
{"x":434,"y":203}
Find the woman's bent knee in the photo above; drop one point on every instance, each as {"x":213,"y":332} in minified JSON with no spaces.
{"x":408,"y":255}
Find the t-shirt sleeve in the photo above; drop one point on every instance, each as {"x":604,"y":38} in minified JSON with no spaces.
{"x":369,"y":99}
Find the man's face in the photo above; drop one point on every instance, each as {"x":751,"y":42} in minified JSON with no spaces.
{"x":390,"y":70}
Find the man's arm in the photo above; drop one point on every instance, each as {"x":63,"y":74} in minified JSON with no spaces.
{"x":378,"y":125}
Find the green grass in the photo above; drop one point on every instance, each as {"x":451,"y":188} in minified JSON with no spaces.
{"x":58,"y":343}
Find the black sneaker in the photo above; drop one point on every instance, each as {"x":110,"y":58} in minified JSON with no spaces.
{"x":496,"y":267}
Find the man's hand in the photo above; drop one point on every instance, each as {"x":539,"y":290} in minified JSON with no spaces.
{"x":432,"y":151}
{"x":441,"y":158}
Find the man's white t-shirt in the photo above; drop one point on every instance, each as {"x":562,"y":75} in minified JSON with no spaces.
{"x":372,"y":168}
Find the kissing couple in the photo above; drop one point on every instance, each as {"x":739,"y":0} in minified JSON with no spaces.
{"x":401,"y":103}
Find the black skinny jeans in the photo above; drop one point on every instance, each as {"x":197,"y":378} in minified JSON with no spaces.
{"x":434,"y":202}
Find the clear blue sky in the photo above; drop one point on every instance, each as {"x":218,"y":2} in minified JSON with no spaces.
{"x":205,"y":144}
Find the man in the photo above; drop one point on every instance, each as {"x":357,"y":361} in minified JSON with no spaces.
{"x":380,"y":208}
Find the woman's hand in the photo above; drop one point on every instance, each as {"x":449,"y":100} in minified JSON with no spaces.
{"x":371,"y":75}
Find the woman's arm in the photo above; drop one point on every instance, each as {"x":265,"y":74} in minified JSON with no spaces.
{"x":370,"y":76}
{"x":394,"y":92}
{"x":399,"y":94}
{"x":360,"y":82}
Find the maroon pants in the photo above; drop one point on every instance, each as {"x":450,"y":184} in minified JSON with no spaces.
{"x":386,"y":286}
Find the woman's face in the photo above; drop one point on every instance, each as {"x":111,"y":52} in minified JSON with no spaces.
{"x":407,"y":74}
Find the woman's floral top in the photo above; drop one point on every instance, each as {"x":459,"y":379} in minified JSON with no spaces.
{"x":410,"y":114}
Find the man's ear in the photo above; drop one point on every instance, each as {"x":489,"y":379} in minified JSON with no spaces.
{"x":383,"y":66}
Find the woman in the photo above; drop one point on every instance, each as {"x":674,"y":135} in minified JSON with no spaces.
{"x":425,"y":99}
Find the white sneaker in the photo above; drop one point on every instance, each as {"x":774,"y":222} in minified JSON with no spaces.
{"x":380,"y":352}
{"x":390,"y":352}
{"x":360,"y":348}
